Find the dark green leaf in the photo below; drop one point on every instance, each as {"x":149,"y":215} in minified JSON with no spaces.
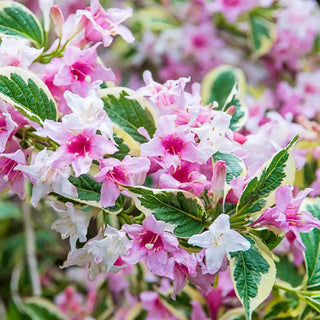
{"x":282,"y":309}
{"x":288,"y":272}
{"x":233,"y":163}
{"x":129,"y":115}
{"x":17,"y":21}
{"x":173,"y":206}
{"x":88,"y":188}
{"x":225,"y":85}
{"x":263,"y":34}
{"x":312,"y":254}
{"x":123,"y":148}
{"x":253,"y":273}
{"x":258,"y":189}
{"x":27,"y":96}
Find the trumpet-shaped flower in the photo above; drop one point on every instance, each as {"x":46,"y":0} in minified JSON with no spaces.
{"x":152,"y":244}
{"x":46,"y":178}
{"x":9,"y":176}
{"x":219,"y":240}
{"x":100,"y":253}
{"x":73,"y":224}
{"x":104,"y":25}
{"x":77,"y":147}
{"x":129,"y":171}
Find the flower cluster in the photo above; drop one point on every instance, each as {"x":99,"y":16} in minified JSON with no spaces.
{"x":177,"y":188}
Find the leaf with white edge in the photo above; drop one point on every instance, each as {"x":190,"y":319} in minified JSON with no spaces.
{"x":235,"y":166}
{"x":311,"y":240}
{"x":283,"y":308}
{"x":177,"y":207}
{"x":27,"y":93}
{"x":155,"y":19}
{"x":253,"y":273}
{"x":226,"y":85}
{"x":40,"y":308}
{"x":314,"y":302}
{"x":128,"y":113}
{"x":18,"y":21}
{"x":260,"y":191}
{"x":262,"y":34}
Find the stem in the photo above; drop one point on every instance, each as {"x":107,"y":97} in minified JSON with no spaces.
{"x":31,"y":248}
{"x":283,"y":287}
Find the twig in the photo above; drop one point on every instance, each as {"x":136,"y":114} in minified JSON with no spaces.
{"x":31,"y":248}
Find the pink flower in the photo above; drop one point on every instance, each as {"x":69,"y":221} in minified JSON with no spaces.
{"x":173,"y":144}
{"x":232,"y":8}
{"x":286,"y":214}
{"x":316,"y":185}
{"x":129,"y":171}
{"x":104,"y":25}
{"x":7,"y":127}
{"x":151,"y":302}
{"x":79,"y":68}
{"x":153,"y":244}
{"x":77,"y":147}
{"x":9,"y":176}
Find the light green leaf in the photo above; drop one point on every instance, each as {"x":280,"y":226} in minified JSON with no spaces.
{"x":9,"y":210}
{"x":312,"y":242}
{"x":177,"y":207}
{"x":262,"y":34}
{"x":260,"y":191}
{"x":40,"y":308}
{"x":314,"y":302}
{"x":226,"y":85}
{"x":235,"y":166}
{"x":281,"y":308}
{"x":129,"y":114}
{"x":18,"y":21}
{"x":253,"y":273}
{"x":27,"y":93}
{"x":155,"y":19}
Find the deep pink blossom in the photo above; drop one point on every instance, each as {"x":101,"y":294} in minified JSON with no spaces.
{"x":129,"y":171}
{"x":153,"y":244}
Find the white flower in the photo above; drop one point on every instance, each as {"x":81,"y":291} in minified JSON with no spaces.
{"x":46,"y":179}
{"x":73,"y":224}
{"x":219,"y":240}
{"x":100,"y":253}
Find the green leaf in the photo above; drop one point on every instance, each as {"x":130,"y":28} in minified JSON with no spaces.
{"x":260,"y":191}
{"x":312,"y":242}
{"x":226,"y":85}
{"x":235,"y":166}
{"x":262,"y":34}
{"x":177,"y":207}
{"x":27,"y":93}
{"x":123,"y":148}
{"x":314,"y":302}
{"x":288,"y":272}
{"x":18,"y":21}
{"x":40,"y":308}
{"x":155,"y":19}
{"x":283,"y":309}
{"x":128,"y":114}
{"x":88,"y":188}
{"x":9,"y":210}
{"x":253,"y":273}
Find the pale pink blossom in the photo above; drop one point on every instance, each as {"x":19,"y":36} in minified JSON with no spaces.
{"x":46,"y":178}
{"x":73,"y":224}
{"x":103,"y":24}
{"x":7,"y":129}
{"x":100,"y":253}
